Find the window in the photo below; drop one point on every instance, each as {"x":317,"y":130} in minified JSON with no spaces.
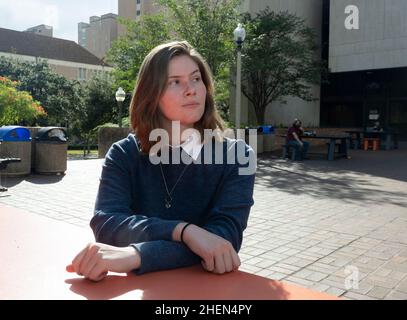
{"x":138,"y":1}
{"x":138,"y":13}
{"x":82,"y":74}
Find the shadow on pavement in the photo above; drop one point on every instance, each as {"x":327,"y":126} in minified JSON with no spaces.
{"x":350,"y":180}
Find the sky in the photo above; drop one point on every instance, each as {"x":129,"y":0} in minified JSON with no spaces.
{"x":62,"y":15}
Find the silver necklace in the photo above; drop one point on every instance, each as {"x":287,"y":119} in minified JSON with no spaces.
{"x":168,"y":197}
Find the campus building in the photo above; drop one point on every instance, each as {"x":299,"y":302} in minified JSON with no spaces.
{"x":98,"y":35}
{"x":365,"y":45}
{"x":135,"y":9}
{"x":65,"y":57}
{"x":42,"y":30}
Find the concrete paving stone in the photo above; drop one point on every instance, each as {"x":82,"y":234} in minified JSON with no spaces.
{"x":397,"y":275}
{"x":286,"y":266}
{"x":254,"y":261}
{"x":332,"y":283}
{"x":264,"y":273}
{"x":357,"y":296}
{"x":278,"y":269}
{"x":265,"y":263}
{"x":322,"y":267}
{"x":244,"y":256}
{"x":382,"y":281}
{"x":317,"y":276}
{"x":378,"y":292}
{"x":319,"y":287}
{"x":277,"y":276}
{"x":400,"y":267}
{"x":382,"y":272}
{"x":363,"y":287}
{"x":396,"y":295}
{"x":379,"y":255}
{"x":402,"y":286}
{"x":273,"y":256}
{"x":299,"y":281}
{"x":249,"y":268}
{"x":303,"y":273}
{"x":281,"y":250}
{"x":335,"y":291}
{"x":327,"y":260}
{"x":341,"y":262}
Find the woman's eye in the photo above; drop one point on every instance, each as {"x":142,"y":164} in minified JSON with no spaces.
{"x":197,"y":79}
{"x":173,"y":82}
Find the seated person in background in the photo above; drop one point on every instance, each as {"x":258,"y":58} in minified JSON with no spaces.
{"x":294,"y":139}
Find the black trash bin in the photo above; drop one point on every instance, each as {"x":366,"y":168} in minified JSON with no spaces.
{"x":15,"y":142}
{"x":51,"y":150}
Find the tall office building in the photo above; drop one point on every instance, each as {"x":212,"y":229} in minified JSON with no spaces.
{"x":366,"y":46}
{"x":135,"y":9}
{"x":98,"y":35}
{"x":42,"y":30}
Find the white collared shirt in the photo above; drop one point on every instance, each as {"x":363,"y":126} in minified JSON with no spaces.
{"x":192,"y":146}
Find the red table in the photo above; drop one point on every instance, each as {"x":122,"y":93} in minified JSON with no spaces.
{"x":34,"y":251}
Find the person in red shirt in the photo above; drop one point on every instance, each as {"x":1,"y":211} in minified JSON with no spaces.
{"x":294,"y":139}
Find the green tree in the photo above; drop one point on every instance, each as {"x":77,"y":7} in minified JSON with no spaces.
{"x":98,"y":109}
{"x":128,"y":52}
{"x":279,"y":59}
{"x":16,"y":106}
{"x":61,"y":98}
{"x":208,"y":26}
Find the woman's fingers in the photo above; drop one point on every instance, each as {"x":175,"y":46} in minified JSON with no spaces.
{"x":235,"y":260}
{"x":78,"y":259}
{"x":228,"y":261}
{"x":89,"y":261}
{"x":97,"y":273}
{"x":219,"y":264}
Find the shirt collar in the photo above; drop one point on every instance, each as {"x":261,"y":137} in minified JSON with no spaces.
{"x":192,"y":146}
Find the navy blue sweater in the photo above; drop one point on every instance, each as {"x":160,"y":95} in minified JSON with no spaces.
{"x":130,"y":205}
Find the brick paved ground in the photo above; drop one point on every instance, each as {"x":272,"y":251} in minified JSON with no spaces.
{"x":317,"y":224}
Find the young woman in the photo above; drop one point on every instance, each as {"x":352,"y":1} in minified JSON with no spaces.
{"x":151,"y":217}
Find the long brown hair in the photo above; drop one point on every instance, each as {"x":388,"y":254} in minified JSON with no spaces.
{"x":151,"y":84}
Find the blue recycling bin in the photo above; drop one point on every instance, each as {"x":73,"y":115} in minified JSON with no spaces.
{"x":15,"y":142}
{"x":268,"y":137}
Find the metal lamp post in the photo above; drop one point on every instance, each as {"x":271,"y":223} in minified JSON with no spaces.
{"x":239,"y":36}
{"x":120,"y":96}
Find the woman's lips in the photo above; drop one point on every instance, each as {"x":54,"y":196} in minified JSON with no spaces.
{"x":191,"y":105}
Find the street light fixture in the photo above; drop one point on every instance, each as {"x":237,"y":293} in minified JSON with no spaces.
{"x":120,"y":96}
{"x":239,"y":36}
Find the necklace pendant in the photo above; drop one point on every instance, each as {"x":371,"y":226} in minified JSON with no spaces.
{"x":168,"y":202}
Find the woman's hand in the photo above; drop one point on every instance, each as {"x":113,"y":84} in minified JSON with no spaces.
{"x":96,"y":259}
{"x":218,"y":254}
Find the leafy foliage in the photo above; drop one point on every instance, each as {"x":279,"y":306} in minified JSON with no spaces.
{"x":279,"y":59}
{"x":17,"y":106}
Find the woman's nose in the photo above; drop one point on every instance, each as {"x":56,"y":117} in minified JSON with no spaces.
{"x":190,"y":89}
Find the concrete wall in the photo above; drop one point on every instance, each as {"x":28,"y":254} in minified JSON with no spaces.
{"x":277,"y":113}
{"x":107,"y":136}
{"x":380,"y":42}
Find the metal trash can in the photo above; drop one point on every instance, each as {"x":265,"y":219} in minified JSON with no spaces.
{"x":268,"y":137}
{"x":51,"y":150}
{"x":15,"y":142}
